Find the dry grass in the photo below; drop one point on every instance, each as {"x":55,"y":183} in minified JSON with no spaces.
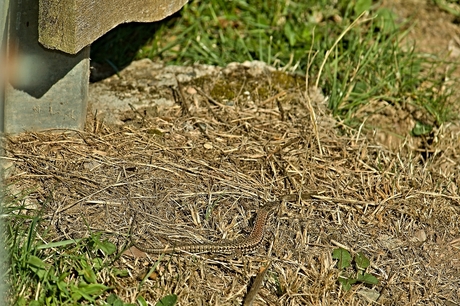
{"x":198,"y":172}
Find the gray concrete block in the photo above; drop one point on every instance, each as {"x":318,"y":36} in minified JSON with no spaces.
{"x":46,"y":88}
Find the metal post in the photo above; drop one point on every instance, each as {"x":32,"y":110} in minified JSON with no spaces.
{"x":3,"y":21}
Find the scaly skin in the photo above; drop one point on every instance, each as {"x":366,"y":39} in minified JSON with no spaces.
{"x":246,"y":245}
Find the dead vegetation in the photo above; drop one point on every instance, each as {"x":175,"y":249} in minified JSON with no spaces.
{"x":198,"y":171}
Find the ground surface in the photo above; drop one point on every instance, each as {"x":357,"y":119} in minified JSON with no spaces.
{"x":432,"y":31}
{"x":194,"y":162}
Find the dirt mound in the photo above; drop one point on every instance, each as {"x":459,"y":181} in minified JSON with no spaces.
{"x":197,"y":169}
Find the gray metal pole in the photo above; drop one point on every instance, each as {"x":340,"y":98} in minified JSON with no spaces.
{"x":4,"y":4}
{"x":3,"y":36}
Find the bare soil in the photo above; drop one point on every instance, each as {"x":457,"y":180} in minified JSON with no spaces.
{"x":193,"y":152}
{"x":431,"y":31}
